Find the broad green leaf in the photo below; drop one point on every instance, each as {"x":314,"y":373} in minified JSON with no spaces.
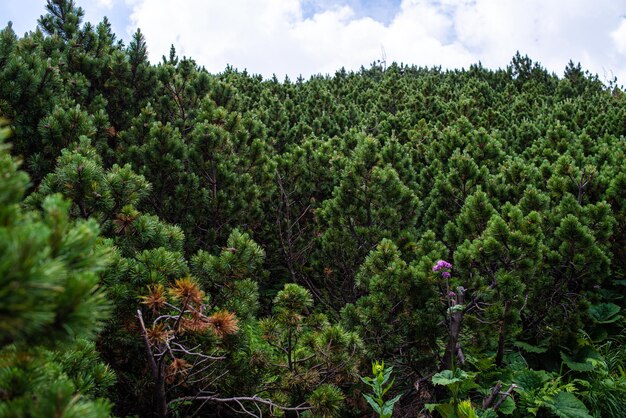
{"x":605,"y":313}
{"x":455,"y":308}
{"x":481,"y":363}
{"x":430,"y":407}
{"x":507,"y":407}
{"x":515,"y":361}
{"x":388,"y":386}
{"x":387,"y":407}
{"x":578,"y":366}
{"x":373,"y":404}
{"x":393,"y":401}
{"x":447,"y":377}
{"x":585,"y":360}
{"x":387,"y":410}
{"x":446,"y":410}
{"x":489,"y":413}
{"x":531,"y":379}
{"x":566,"y":405}
{"x":530,"y":348}
{"x":366,"y":380}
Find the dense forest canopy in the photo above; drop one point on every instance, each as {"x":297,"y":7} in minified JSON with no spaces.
{"x":179,"y":243}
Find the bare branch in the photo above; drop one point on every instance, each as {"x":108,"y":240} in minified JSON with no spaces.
{"x":239,"y":399}
{"x":504,"y":395}
{"x":181,"y":349}
{"x":144,"y":334}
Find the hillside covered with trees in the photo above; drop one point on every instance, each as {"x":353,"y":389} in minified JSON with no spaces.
{"x":179,"y":243}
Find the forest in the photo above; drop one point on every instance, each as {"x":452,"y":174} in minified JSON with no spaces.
{"x":395,"y":241}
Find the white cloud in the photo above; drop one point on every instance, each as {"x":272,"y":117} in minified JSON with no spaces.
{"x":548,"y":31}
{"x":619,"y":37}
{"x":105,"y":3}
{"x":273,"y":36}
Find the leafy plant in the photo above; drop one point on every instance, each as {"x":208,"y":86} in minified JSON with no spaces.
{"x":541,"y":391}
{"x":380,"y":387}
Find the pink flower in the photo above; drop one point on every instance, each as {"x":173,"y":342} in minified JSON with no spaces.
{"x":442,"y":264}
{"x":445,"y":266}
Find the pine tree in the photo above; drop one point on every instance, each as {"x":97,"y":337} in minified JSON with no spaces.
{"x":51,"y":306}
{"x":494,"y":269}
{"x":309,"y":348}
{"x":370,"y":203}
{"x":63,"y":19}
{"x":233,"y":276}
{"x":30,"y":87}
{"x":396,"y":313}
{"x":466,"y":222}
{"x":304,"y":178}
{"x":142,"y":80}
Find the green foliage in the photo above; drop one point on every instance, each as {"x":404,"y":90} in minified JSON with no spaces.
{"x":395,"y":315}
{"x":566,"y":405}
{"x":50,"y":270}
{"x":63,"y":18}
{"x":310,"y":348}
{"x":458,"y":382}
{"x":370,"y":203}
{"x":604,"y":389}
{"x":52,"y":306}
{"x":541,"y":391}
{"x":380,"y":385}
{"x":233,"y":276}
{"x":326,"y":401}
{"x":449,"y":378}
{"x":605,"y":313}
{"x":313,"y":211}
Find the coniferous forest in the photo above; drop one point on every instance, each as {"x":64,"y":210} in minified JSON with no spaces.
{"x":396,"y":241}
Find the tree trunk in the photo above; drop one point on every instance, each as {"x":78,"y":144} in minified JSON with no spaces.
{"x":456,"y":320}
{"x":160,"y":399}
{"x":502,"y":337}
{"x":158,"y":373}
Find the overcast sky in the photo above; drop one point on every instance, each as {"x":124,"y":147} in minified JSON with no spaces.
{"x":307,"y":37}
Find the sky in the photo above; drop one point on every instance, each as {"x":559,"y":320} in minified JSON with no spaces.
{"x":305,"y":37}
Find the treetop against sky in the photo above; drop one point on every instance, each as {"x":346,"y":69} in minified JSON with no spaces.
{"x":306,"y":37}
